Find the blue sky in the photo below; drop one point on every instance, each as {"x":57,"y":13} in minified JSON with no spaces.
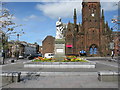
{"x":39,"y":18}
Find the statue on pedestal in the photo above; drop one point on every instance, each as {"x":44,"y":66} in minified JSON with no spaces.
{"x":59,"y":29}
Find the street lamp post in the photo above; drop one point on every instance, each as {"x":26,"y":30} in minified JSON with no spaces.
{"x":17,"y":44}
{"x":3,"y":49}
{"x":17,"y":47}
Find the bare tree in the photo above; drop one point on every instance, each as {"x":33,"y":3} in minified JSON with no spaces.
{"x":6,"y":28}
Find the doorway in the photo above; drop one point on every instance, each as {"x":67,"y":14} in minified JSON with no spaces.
{"x":93,"y":49}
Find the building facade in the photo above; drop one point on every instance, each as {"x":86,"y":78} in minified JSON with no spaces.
{"x":23,"y":48}
{"x":48,"y":45}
{"x":116,"y":41}
{"x":93,"y":35}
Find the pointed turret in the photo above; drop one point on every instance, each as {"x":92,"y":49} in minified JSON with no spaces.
{"x":106,"y":25}
{"x":102,"y":14}
{"x":106,"y":22}
{"x":75,"y":17}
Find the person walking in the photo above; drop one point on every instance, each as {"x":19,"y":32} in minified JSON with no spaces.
{"x":112,"y":54}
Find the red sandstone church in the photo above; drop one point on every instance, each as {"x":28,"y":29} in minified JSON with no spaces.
{"x":92,"y":37}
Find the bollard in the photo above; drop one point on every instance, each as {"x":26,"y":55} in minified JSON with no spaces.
{"x":12,"y":77}
{"x":16,"y":76}
{"x":12,"y":61}
{"x":19,"y":73}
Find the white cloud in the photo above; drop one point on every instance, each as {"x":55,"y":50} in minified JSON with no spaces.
{"x":30,"y":17}
{"x":65,"y":9}
{"x":59,"y":9}
{"x":25,"y":19}
{"x":33,"y":18}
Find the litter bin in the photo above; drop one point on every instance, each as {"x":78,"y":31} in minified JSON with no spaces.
{"x":16,"y":76}
{"x":12,"y":61}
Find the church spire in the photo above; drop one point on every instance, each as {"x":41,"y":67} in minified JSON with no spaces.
{"x":102,"y":14}
{"x":107,"y":24}
{"x":75,"y":17}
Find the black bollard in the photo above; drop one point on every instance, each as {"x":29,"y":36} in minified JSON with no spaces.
{"x":12,"y":61}
{"x":19,"y":73}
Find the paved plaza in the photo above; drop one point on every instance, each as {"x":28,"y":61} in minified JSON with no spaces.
{"x":83,"y":81}
{"x":72,"y":78}
{"x":101,"y":65}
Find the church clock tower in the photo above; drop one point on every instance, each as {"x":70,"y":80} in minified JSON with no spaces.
{"x":91,"y":25}
{"x":91,"y":14}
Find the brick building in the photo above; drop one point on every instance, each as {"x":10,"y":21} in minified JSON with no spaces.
{"x":93,"y":35}
{"x":40,"y":49}
{"x":116,"y":41}
{"x":48,"y":45}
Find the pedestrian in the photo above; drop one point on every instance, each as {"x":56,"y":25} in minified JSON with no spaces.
{"x":112,"y":54}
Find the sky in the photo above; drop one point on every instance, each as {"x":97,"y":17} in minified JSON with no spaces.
{"x":38,"y":19}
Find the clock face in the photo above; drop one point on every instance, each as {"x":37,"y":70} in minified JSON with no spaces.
{"x":92,"y":14}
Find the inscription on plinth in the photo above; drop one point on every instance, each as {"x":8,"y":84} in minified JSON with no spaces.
{"x":59,"y":49}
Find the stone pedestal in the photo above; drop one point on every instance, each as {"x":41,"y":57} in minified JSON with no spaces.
{"x":59,"y":49}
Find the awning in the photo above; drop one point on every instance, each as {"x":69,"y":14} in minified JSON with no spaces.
{"x":69,"y":46}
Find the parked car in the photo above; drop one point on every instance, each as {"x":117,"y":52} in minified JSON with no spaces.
{"x":33,"y":56}
{"x":49,"y":55}
{"x":21,"y":57}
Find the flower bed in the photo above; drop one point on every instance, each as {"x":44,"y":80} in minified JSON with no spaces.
{"x":67,"y":59}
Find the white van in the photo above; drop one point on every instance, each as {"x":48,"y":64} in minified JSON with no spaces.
{"x":48,"y":55}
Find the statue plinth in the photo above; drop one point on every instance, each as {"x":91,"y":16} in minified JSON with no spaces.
{"x":59,"y":49}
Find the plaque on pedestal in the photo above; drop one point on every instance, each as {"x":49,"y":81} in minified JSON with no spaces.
{"x":59,"y":49}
